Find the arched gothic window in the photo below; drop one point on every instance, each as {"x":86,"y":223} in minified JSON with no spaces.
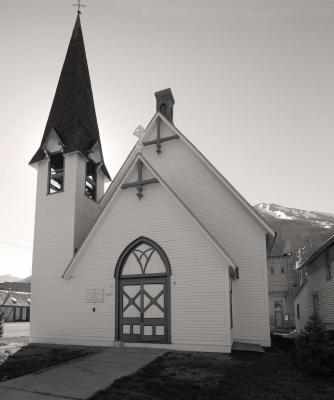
{"x":143,"y":260}
{"x":142,"y":257}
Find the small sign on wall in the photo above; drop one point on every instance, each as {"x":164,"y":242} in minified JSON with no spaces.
{"x":95,"y":295}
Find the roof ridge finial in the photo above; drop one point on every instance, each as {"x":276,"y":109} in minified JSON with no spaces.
{"x":79,"y":5}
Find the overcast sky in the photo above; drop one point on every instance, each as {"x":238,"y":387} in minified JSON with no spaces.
{"x":253,"y":82}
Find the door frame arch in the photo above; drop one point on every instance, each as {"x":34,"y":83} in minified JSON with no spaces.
{"x":118,"y":275}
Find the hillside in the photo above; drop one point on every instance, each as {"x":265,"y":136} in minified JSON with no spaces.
{"x":9,"y":278}
{"x":16,"y":286}
{"x":296,"y":228}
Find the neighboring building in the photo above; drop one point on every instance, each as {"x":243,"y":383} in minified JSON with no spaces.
{"x":16,"y":305}
{"x":170,"y":256}
{"x":283,"y":283}
{"x":316,"y":294}
{"x":16,"y":286}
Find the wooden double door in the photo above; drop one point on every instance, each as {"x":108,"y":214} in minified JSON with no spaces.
{"x":143,"y":309}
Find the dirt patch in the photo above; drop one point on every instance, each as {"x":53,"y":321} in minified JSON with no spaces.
{"x":32,"y":358}
{"x":9,"y":346}
{"x":22,"y":340}
{"x":207,"y":376}
{"x":8,"y":350}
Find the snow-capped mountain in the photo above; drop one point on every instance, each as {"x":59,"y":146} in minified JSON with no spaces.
{"x":9,"y":278}
{"x":296,"y":228}
{"x":317,"y":218}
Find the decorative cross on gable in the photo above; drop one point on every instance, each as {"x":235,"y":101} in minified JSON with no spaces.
{"x":140,"y":181}
{"x":159,"y":139}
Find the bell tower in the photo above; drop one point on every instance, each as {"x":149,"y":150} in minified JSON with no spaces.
{"x":70,"y":180}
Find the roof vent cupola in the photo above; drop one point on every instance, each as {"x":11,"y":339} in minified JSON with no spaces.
{"x":165,"y":103}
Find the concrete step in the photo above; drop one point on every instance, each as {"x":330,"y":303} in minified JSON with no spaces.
{"x":239,"y":346}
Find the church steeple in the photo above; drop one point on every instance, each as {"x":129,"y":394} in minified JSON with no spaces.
{"x":72,"y":116}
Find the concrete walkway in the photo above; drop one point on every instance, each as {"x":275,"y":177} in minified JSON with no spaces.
{"x":78,"y":379}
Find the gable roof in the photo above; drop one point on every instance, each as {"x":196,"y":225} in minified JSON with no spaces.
{"x":320,"y":250}
{"x":16,"y":286}
{"x":11,"y":298}
{"x":207,"y":164}
{"x":72,"y":113}
{"x":183,"y":206}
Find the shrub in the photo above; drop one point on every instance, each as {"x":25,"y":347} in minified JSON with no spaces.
{"x":2,"y":321}
{"x":314,"y":350}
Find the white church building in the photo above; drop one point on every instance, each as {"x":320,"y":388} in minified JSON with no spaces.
{"x":170,"y":256}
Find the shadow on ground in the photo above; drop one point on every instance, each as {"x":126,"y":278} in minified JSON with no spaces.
{"x":212,"y":376}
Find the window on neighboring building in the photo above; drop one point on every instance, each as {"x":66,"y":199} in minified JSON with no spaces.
{"x":282,"y":270}
{"x":90,"y":189}
{"x":329,"y":270}
{"x":56,"y":173}
{"x":298,"y":311}
{"x":272,"y":270}
{"x":316,"y":306}
{"x":278,"y":304}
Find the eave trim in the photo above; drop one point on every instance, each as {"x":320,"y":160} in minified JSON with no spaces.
{"x":317,"y":253}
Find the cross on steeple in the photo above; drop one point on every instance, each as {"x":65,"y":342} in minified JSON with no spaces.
{"x":79,"y":5}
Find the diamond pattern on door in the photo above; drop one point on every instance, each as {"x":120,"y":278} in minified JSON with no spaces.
{"x":161,"y":301}
{"x":131,"y":301}
{"x":152,"y":307}
{"x":131,"y":290}
{"x":143,"y":316}
{"x":153,"y":312}
{"x":131,"y":312}
{"x":153,"y":289}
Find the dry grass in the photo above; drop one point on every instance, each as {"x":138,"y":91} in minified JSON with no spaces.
{"x":207,"y":376}
{"x":34,"y":358}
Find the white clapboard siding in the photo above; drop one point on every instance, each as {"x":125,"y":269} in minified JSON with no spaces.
{"x":230,"y":223}
{"x":305,"y":308}
{"x":317,"y":283}
{"x":199,"y":283}
{"x":62,"y":221}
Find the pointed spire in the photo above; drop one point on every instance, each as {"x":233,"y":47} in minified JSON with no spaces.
{"x":72,"y":114}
